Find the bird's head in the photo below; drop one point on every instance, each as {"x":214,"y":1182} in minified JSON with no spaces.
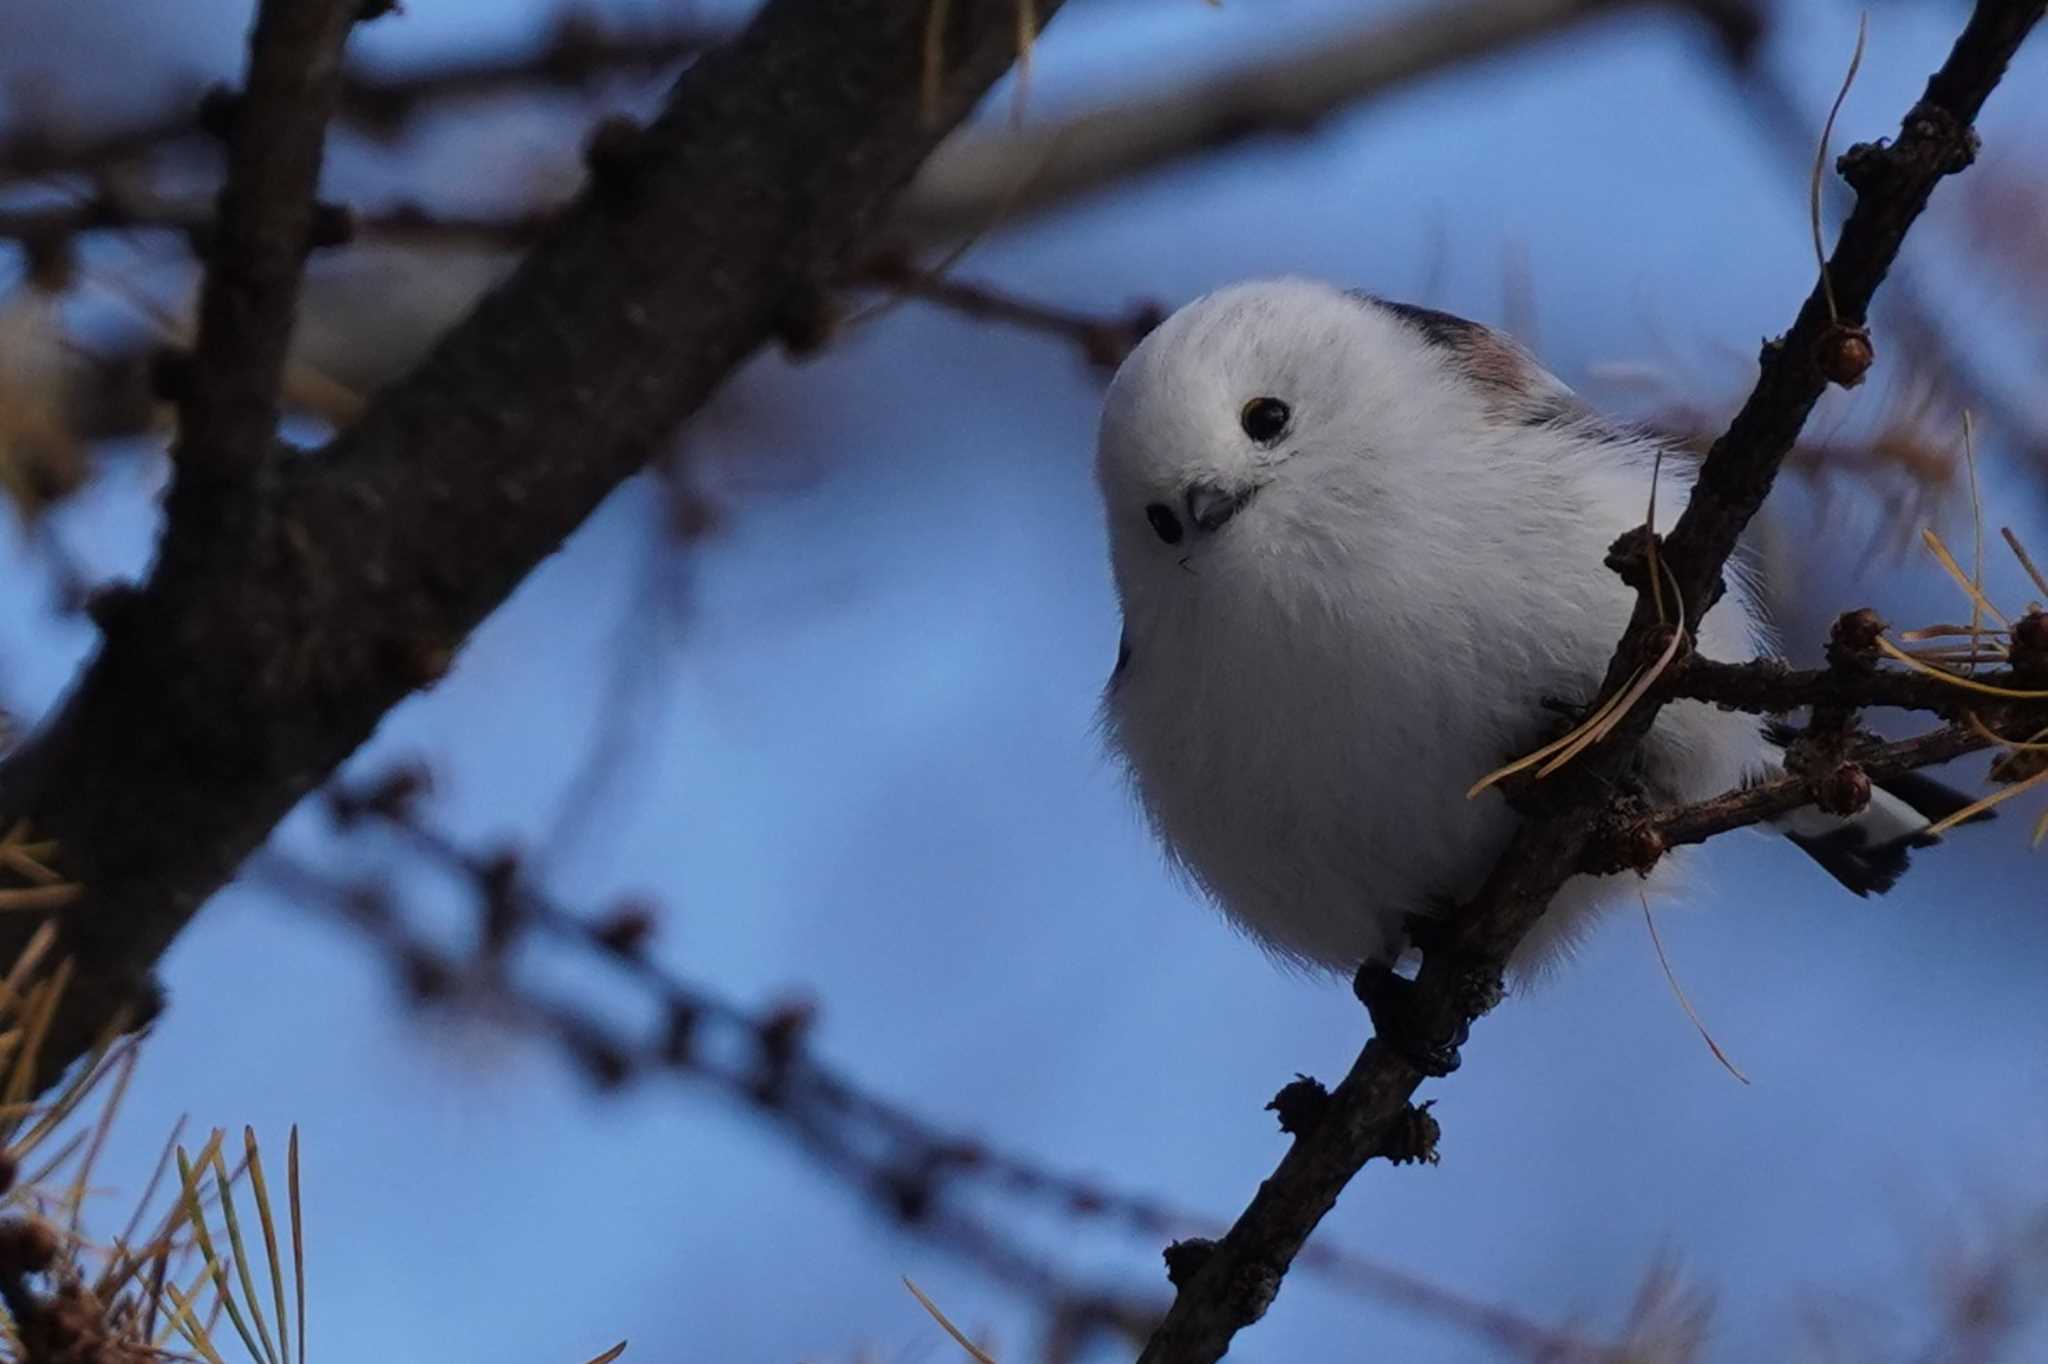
{"x":1289,"y":412}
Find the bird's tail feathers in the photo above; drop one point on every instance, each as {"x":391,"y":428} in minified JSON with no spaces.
{"x":1869,"y":851}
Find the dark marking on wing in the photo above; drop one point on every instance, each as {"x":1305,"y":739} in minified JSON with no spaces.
{"x":1519,"y":388}
{"x":1440,"y":328}
{"x":1937,"y":800}
{"x":1123,"y":660}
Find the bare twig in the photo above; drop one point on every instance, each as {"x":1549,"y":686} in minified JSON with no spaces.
{"x":912,"y":1170}
{"x":1698,"y":822}
{"x":1459,"y":979}
{"x":262,"y":233}
{"x":576,"y":53}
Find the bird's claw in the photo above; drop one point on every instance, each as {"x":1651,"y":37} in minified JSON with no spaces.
{"x":1399,"y":1021}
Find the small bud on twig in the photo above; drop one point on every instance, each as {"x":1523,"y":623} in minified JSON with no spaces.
{"x":1852,"y":642}
{"x":1845,"y":354}
{"x":1184,"y":1259}
{"x":1844,"y":791}
{"x":1299,"y":1104}
{"x":1413,"y":1137}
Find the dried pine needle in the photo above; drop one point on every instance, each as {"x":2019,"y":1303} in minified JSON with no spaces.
{"x":1996,"y":798}
{"x":1527,"y":761}
{"x":1671,"y":977}
{"x":1955,"y":680}
{"x":2019,"y":552}
{"x":974,"y":1352}
{"x":262,"y":1194}
{"x":1820,"y":163}
{"x":299,"y":1240}
{"x":1954,"y":570}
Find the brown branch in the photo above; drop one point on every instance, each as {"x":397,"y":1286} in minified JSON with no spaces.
{"x":261,"y":234}
{"x":1769,"y":687}
{"x":1460,"y":978}
{"x":1701,"y":821}
{"x":576,"y":53}
{"x":1103,"y":341}
{"x":231,"y":684}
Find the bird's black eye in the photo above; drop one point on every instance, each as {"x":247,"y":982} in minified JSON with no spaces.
{"x":1264,"y":419}
{"x":1164,"y":523}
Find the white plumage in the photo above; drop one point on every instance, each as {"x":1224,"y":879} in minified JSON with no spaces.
{"x":1358,"y":545}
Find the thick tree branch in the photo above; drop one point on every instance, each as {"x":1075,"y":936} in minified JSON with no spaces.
{"x":261,"y":234}
{"x":1460,"y":978}
{"x":231,"y":684}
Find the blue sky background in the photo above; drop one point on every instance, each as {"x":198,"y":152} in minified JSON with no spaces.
{"x":868,"y":775}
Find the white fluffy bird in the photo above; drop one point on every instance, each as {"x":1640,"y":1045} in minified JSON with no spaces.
{"x":1359,"y":545}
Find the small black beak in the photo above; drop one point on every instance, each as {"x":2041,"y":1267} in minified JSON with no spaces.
{"x":1210,"y":506}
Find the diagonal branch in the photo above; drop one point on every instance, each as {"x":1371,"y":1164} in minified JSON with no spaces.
{"x":1460,"y":979}
{"x":230,"y":685}
{"x":261,"y":233}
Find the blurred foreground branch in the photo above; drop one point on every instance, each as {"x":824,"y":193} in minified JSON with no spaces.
{"x":1461,"y":971}
{"x":937,"y":1184}
{"x":258,"y":656}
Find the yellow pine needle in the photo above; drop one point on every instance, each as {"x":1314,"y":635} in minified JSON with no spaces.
{"x":299,"y":1240}
{"x":42,"y":1174}
{"x":2033,"y":745}
{"x":40,"y":897}
{"x":1646,"y":679}
{"x":934,"y":59}
{"x":262,"y":1193}
{"x":2040,"y":831}
{"x":19,"y":858}
{"x":974,"y":1352}
{"x":1948,"y":632}
{"x":106,"y":1053}
{"x":41,"y":1010}
{"x":2020,"y":553}
{"x":223,"y":1294}
{"x":186,"y":1321}
{"x":1955,"y":570}
{"x":1963,"y":656}
{"x":1602,"y":721}
{"x":1820,"y":162}
{"x":609,"y":1355}
{"x":1500,"y":774}
{"x":1975,"y":808}
{"x":1966,"y":683}
{"x":104,"y":1124}
{"x":1978,"y":600}
{"x":117,"y":1274}
{"x":233,"y":1219}
{"x":1650,"y":525}
{"x":1027,"y":32}
{"x":24,"y":967}
{"x":1671,"y":977}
